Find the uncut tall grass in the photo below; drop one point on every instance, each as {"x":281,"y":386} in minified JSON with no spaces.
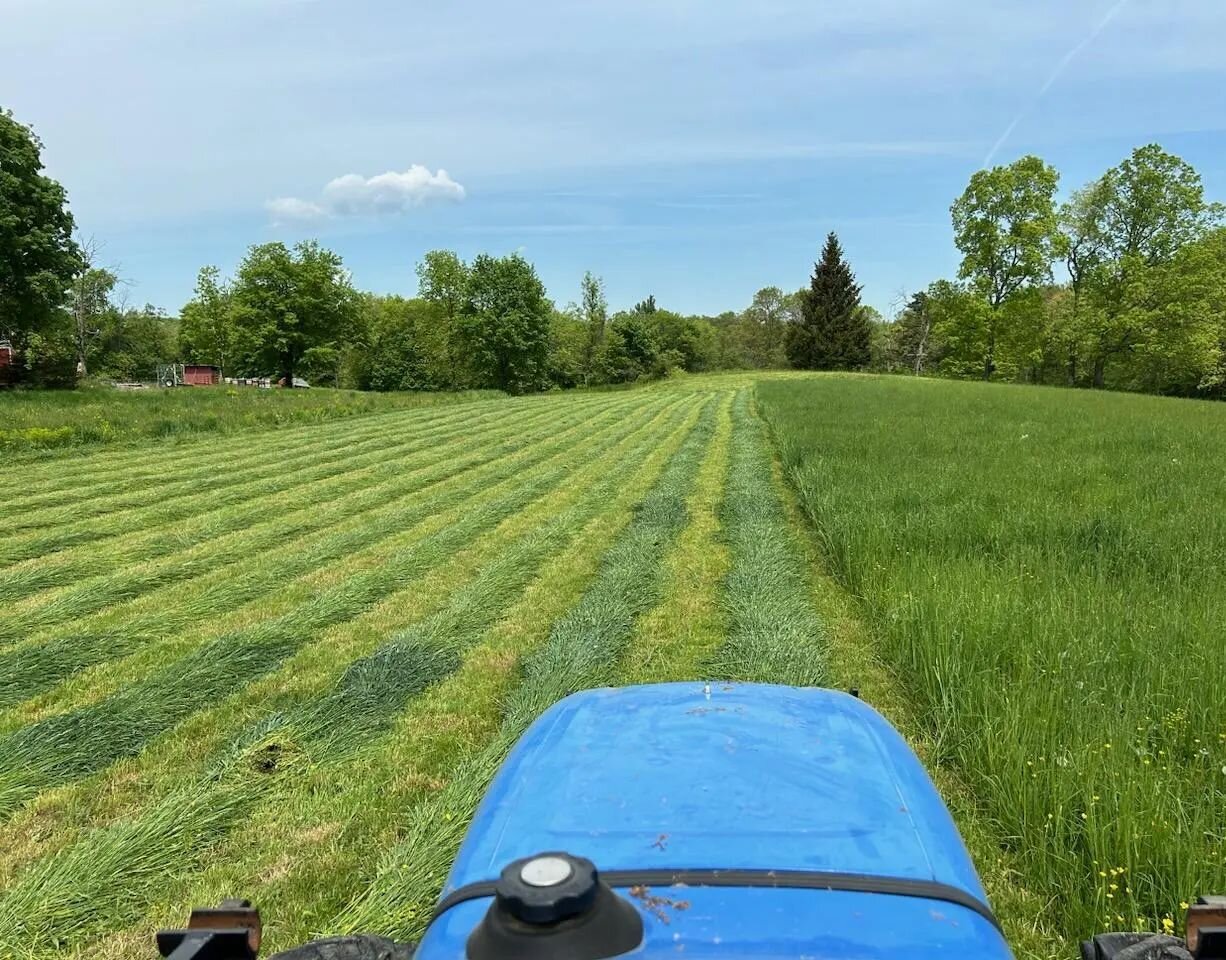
{"x":1045,"y":570}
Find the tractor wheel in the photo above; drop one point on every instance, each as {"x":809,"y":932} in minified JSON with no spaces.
{"x":1134,"y":946}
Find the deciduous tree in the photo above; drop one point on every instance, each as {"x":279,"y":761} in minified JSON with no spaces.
{"x":504,"y":326}
{"x":206,"y":329}
{"x":38,"y":256}
{"x":594,"y":314}
{"x":89,"y":299}
{"x":1005,"y":226}
{"x":289,"y":301}
{"x":763,"y":328}
{"x":1134,"y":219}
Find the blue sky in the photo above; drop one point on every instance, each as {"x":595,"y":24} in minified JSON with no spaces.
{"x":693,"y":150}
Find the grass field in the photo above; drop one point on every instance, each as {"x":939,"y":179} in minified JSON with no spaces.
{"x":285,"y":663}
{"x":1045,"y":572}
{"x":32,"y":421}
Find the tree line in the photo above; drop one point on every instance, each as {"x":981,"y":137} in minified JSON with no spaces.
{"x":1139,"y":304}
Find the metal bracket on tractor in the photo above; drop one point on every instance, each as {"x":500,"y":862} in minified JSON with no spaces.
{"x":229,"y":931}
{"x":1206,"y":928}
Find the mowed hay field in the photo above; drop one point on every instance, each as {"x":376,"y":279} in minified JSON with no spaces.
{"x":284,"y":664}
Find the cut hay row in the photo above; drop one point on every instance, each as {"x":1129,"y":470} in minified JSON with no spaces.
{"x":342,"y":818}
{"x":70,"y":745}
{"x":309,"y":673}
{"x":211,"y":470}
{"x":675,"y":638}
{"x":582,"y":651}
{"x":253,"y":526}
{"x":123,"y":547}
{"x":244,"y":595}
{"x":80,"y":479}
{"x":182,"y":753}
{"x":774,"y":632}
{"x":64,"y":897}
{"x":360,"y":709}
{"x":67,"y":746}
{"x":284,"y":744}
{"x":194,"y":580}
{"x":150,"y":461}
{"x":147,"y":518}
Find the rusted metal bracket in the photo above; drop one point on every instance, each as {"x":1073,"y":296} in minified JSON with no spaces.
{"x":1206,"y":928}
{"x":229,"y":931}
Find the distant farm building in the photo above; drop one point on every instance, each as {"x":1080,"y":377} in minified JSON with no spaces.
{"x":196,"y":375}
{"x":6,"y":354}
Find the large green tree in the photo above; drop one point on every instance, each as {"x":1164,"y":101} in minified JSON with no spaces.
{"x":1005,"y":225}
{"x":832,"y":333}
{"x":1178,"y":318}
{"x":504,"y":327}
{"x":631,"y":348}
{"x":398,"y":347}
{"x":38,"y":257}
{"x":1136,"y":218}
{"x":286,"y":302}
{"x":206,"y":325}
{"x":442,"y":280}
{"x":762,"y":328}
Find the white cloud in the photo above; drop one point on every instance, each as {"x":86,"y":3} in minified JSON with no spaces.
{"x":386,"y":194}
{"x":293,"y":210}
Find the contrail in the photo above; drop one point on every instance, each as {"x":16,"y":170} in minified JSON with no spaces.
{"x":1051,"y":80}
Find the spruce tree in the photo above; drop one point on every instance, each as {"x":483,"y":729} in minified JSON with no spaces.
{"x":831,"y":335}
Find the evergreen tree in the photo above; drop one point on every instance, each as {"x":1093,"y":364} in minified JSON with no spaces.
{"x":832,"y":333}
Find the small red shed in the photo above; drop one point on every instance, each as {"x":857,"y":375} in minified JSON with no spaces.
{"x":6,"y":354}
{"x":197,"y":375}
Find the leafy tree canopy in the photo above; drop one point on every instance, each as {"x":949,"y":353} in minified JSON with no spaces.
{"x":38,"y":257}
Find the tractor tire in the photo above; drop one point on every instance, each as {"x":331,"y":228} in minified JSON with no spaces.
{"x":1134,"y":946}
{"x":349,"y":948}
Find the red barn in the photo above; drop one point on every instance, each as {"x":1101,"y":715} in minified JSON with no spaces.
{"x":6,"y":354}
{"x":195,"y":375}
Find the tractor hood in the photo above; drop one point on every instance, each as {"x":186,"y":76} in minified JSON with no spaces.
{"x":743,"y":780}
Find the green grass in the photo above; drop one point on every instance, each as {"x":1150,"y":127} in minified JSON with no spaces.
{"x":1045,"y":571}
{"x":68,"y":745}
{"x":581,"y":652}
{"x":72,"y":581}
{"x":38,"y":420}
{"x":373,"y":689}
{"x":304,"y":539}
{"x":284,"y":663}
{"x":774,"y":634}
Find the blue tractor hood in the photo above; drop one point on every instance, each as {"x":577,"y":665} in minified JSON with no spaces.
{"x":744,"y":779}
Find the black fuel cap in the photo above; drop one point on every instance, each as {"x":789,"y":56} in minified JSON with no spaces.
{"x":548,"y":887}
{"x":554,"y":906}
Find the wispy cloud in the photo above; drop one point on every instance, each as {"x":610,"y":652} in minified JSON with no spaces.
{"x":1055,"y":75}
{"x":387,"y":194}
